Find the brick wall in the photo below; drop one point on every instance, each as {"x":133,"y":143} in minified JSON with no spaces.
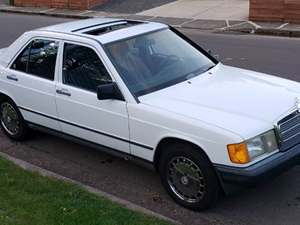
{"x":70,"y":4}
{"x":275,"y":10}
{"x":292,"y":11}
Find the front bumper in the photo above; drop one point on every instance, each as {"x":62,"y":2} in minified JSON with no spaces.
{"x":261,"y":171}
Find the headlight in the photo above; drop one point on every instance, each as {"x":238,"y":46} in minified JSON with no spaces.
{"x":262,"y":144}
{"x":249,"y":150}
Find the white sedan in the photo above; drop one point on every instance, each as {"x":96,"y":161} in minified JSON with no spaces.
{"x":144,"y":91}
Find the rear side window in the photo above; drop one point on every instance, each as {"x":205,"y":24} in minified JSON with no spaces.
{"x":38,"y":58}
{"x":82,"y":68}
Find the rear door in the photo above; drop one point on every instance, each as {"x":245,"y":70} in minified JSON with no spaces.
{"x":30,"y":80}
{"x":80,"y":112}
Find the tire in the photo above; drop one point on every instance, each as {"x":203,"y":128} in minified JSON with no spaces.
{"x":196,"y":176}
{"x":9,"y":113}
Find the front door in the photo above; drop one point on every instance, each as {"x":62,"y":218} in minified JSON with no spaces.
{"x":80,"y":112}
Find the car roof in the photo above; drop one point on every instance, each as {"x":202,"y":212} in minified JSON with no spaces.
{"x":106,"y":30}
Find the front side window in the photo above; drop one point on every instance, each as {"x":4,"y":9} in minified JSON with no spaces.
{"x":154,"y":61}
{"x":83,"y":68}
{"x":38,"y":58}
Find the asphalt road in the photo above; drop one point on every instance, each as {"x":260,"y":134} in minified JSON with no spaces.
{"x":275,"y":203}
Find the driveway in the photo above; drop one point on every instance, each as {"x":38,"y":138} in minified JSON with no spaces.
{"x":275,"y":203}
{"x":130,"y":6}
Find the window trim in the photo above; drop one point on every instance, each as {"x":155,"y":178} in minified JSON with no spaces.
{"x":97,"y":53}
{"x":25,"y":46}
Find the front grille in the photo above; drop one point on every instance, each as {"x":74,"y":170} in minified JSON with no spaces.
{"x":289,"y":131}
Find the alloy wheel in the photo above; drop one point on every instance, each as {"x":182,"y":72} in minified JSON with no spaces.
{"x":186,"y":179}
{"x":9,"y":119}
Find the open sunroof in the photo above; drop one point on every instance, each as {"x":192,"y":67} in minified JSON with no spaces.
{"x":109,"y":27}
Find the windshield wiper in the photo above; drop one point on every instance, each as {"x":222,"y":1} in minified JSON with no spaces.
{"x":198,"y":72}
{"x":191,"y":75}
{"x":209,"y":68}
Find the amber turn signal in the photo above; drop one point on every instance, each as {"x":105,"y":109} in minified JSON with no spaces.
{"x":238,"y":153}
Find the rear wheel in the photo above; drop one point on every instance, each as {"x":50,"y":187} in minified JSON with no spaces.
{"x":11,"y":120}
{"x":188,"y":176}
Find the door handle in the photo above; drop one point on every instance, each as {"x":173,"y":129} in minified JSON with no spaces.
{"x":12,"y":77}
{"x":63,"y":92}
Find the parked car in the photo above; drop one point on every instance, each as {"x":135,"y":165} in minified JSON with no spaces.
{"x":144,"y":90}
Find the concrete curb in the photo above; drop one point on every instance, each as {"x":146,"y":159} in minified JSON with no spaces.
{"x":249,"y":27}
{"x":278,"y":32}
{"x":129,"y":205}
{"x":218,"y":26}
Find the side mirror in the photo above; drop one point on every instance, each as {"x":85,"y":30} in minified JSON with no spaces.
{"x":109,"y":91}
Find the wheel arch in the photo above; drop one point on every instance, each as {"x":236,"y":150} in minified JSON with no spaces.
{"x":173,"y":139}
{"x":6,"y":95}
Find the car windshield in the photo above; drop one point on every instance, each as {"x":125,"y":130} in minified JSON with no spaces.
{"x":154,"y":61}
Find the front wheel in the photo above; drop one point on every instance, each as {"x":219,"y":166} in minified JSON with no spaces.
{"x":12,"y":121}
{"x":188,"y":176}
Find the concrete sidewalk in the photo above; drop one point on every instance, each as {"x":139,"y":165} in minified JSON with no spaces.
{"x":203,"y":9}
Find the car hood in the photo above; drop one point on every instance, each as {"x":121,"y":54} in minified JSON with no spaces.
{"x":242,"y":101}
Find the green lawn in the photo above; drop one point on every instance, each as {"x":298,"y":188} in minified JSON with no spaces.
{"x":29,"y":199}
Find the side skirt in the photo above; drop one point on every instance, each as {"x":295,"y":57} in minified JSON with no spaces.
{"x":102,"y":148}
